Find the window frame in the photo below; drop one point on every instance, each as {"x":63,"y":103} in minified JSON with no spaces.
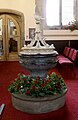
{"x":45,"y":26}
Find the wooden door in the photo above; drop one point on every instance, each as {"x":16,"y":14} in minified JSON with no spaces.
{"x":9,"y":38}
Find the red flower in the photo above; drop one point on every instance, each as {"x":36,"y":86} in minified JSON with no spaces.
{"x":18,"y":78}
{"x":27,"y":82}
{"x":38,"y":78}
{"x":50,"y":88}
{"x":58,"y":85}
{"x":43,"y":85}
{"x":49,"y":73}
{"x":36,"y":81}
{"x":33,"y":87}
{"x":24,"y":78}
{"x":16,"y":87}
{"x":49,"y":80}
{"x":28,"y":92}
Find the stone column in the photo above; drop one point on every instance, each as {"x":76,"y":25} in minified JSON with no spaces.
{"x":39,"y":11}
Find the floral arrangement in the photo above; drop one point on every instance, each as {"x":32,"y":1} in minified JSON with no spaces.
{"x":36,"y":86}
{"x":73,"y":25}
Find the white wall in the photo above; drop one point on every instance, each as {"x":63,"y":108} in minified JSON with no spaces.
{"x":60,"y":34}
{"x":27,"y":7}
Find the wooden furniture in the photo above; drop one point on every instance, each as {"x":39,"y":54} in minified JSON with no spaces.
{"x":67,"y":59}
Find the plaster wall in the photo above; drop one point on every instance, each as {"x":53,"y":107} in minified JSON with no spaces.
{"x":27,"y":7}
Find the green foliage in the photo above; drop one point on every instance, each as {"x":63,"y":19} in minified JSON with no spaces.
{"x":73,"y":25}
{"x":37,"y":87}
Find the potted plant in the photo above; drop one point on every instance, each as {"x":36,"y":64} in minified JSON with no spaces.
{"x":33,"y":90}
{"x":37,"y":87}
{"x":73,"y":25}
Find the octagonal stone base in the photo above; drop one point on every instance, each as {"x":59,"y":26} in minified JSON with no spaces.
{"x":38,"y":105}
